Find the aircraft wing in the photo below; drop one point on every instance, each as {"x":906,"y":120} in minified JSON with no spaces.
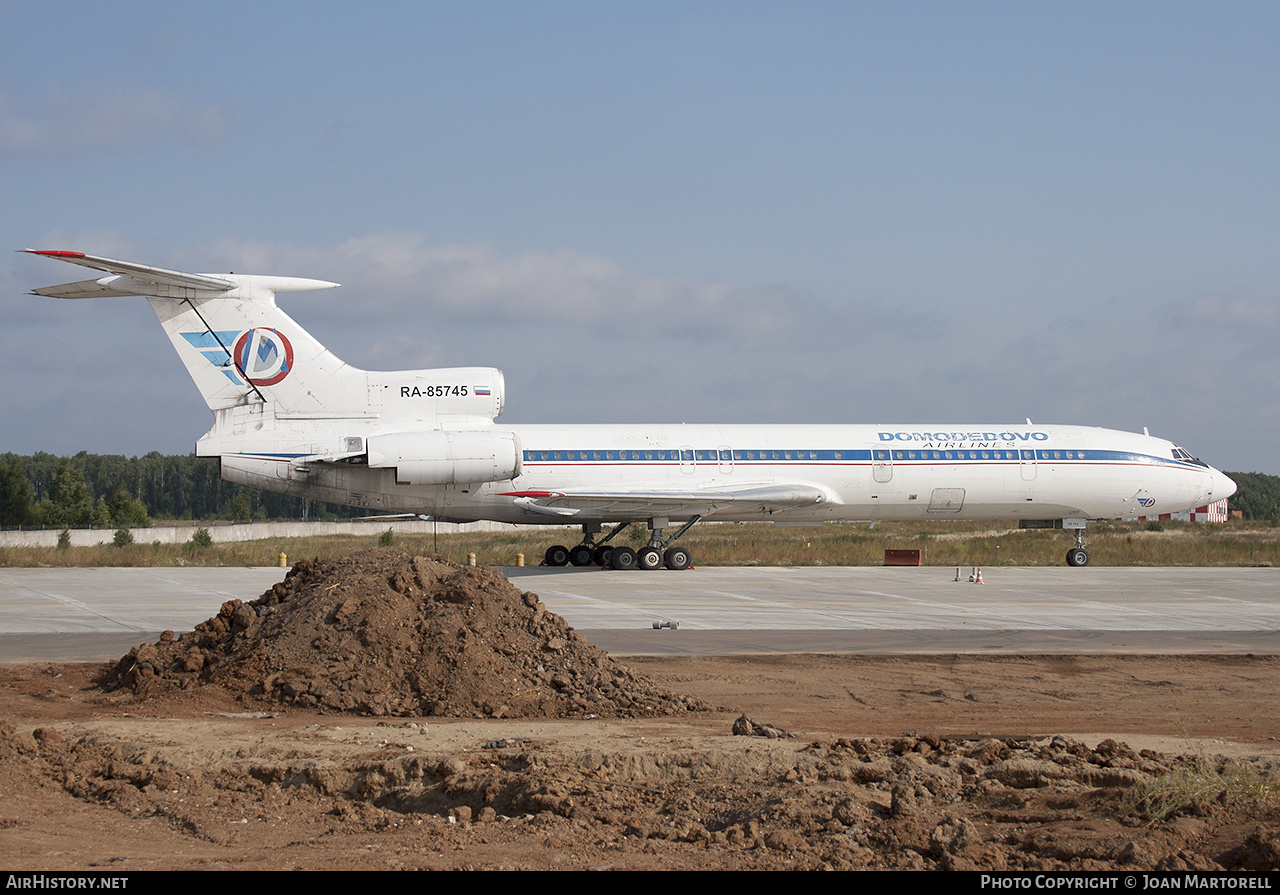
{"x":395,"y":517}
{"x":129,"y":279}
{"x":642,"y":504}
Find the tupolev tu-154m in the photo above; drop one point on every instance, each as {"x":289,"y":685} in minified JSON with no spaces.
{"x":289,"y":416}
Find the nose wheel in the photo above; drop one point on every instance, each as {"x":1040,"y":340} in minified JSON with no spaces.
{"x":1077,"y":555}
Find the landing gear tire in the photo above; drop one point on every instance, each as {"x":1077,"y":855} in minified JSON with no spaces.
{"x":624,"y":559}
{"x":1077,"y":556}
{"x":557,"y":556}
{"x":581,"y":555}
{"x":601,"y":556}
{"x":649,"y":558}
{"x":678,"y":559}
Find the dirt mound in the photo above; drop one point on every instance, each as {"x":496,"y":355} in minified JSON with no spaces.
{"x":384,"y":633}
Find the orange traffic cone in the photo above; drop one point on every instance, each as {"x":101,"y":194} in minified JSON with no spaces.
{"x":978,"y":580}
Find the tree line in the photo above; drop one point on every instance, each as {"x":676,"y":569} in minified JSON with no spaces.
{"x":1257,"y":495}
{"x":110,"y":490}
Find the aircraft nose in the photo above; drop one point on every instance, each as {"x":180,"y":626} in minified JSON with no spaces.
{"x":1220,"y":486}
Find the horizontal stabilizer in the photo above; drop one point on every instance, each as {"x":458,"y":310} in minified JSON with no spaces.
{"x":83,"y":289}
{"x":128,"y":278}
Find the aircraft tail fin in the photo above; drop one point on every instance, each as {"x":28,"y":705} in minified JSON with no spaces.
{"x":239,"y":347}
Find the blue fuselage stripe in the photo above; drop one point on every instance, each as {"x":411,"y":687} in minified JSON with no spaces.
{"x":853,"y":457}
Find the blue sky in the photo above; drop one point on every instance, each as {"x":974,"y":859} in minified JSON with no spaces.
{"x":813,"y":212}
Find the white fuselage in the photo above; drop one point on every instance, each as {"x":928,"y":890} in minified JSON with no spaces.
{"x":863,"y":472}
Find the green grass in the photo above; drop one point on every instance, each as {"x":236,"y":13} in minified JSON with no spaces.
{"x":1199,"y":782}
{"x":846,"y":544}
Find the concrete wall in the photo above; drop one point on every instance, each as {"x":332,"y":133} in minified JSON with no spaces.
{"x":180,"y":533}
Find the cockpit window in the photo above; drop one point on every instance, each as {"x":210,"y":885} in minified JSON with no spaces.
{"x":1185,"y":457}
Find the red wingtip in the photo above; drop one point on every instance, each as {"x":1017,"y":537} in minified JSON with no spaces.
{"x":55,"y":253}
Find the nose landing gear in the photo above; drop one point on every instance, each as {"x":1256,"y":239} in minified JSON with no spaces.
{"x":1077,"y":555}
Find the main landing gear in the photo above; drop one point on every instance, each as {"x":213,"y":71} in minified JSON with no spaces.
{"x":657,"y":553}
{"x":588,"y":551}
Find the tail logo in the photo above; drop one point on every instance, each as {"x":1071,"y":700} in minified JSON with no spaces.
{"x":263,"y":355}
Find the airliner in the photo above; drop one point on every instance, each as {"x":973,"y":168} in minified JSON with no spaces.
{"x":289,"y":416}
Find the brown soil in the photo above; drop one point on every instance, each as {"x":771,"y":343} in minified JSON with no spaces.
{"x":384,"y":633}
{"x":391,"y":712}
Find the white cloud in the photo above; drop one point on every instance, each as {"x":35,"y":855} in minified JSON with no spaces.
{"x":1226,"y":313}
{"x":400,"y":273}
{"x":400,"y":277}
